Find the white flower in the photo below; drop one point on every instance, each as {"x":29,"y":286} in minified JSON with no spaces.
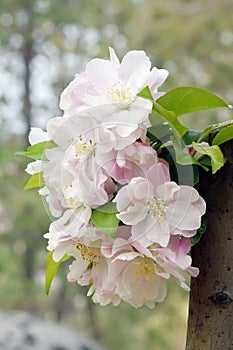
{"x":113,"y":87}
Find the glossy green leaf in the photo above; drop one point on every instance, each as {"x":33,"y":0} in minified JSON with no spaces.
{"x":35,"y":181}
{"x":105,"y":221}
{"x":145,"y":93}
{"x":183,"y":100}
{"x":37,"y":151}
{"x":169,"y":115}
{"x":215,"y":154}
{"x":214,"y":127}
{"x":191,"y":135}
{"x":51,"y":269}
{"x":223,"y":135}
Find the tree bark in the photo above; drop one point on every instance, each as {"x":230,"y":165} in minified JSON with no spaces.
{"x":210,"y":325}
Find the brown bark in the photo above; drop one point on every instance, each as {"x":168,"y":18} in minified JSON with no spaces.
{"x":210,"y":325}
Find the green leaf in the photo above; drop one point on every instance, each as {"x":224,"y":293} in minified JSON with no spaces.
{"x":213,"y":128}
{"x":145,"y":93}
{"x":37,"y":151}
{"x":51,"y":269}
{"x":169,"y":115}
{"x":35,"y":181}
{"x":183,"y":100}
{"x":200,"y":232}
{"x":191,"y":135}
{"x":105,"y":220}
{"x":109,"y":207}
{"x":223,"y":135}
{"x":215,"y":154}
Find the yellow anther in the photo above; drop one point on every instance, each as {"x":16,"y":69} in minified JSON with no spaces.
{"x":121,"y":93}
{"x":72,"y":204}
{"x":157,"y":208}
{"x":91,"y":254}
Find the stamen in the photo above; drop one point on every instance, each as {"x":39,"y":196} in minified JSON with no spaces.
{"x":157,"y":208}
{"x":72,"y":204}
{"x":83,"y":149}
{"x":89,"y":253}
{"x":121,"y":93}
{"x":146,"y":268}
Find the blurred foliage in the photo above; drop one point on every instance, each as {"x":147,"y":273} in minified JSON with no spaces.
{"x":43,"y":43}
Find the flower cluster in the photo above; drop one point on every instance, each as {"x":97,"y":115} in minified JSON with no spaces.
{"x":115,"y":209}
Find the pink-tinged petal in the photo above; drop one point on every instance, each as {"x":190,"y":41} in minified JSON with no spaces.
{"x":167,"y":191}
{"x":183,"y":217}
{"x":193,"y":271}
{"x":149,"y":231}
{"x":141,"y":189}
{"x":135,"y":68}
{"x":133,"y":215}
{"x":157,"y":95}
{"x":127,"y":256}
{"x":200,"y":204}
{"x":185,"y":233}
{"x":126,"y":129}
{"x":156,"y":78}
{"x":180,"y":246}
{"x":63,"y":248}
{"x":187,"y":194}
{"x":77,"y":269}
{"x":158,"y":174}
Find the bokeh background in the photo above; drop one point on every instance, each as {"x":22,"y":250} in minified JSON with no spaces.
{"x":43,"y":44}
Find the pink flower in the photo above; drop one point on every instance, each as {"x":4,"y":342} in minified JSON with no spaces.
{"x":175,"y":257}
{"x":138,"y":279}
{"x":134,"y":160}
{"x":157,"y":208}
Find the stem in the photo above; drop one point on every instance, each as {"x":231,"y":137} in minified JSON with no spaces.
{"x":170,"y":116}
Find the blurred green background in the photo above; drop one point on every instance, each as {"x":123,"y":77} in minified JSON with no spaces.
{"x":43,"y":44}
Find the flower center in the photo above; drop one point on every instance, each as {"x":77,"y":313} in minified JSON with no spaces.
{"x":157,"y":208}
{"x":145,"y":268}
{"x":89,"y":253}
{"x":72,"y":204}
{"x":83,"y":149}
{"x":121,"y":93}
{"x":135,"y":160}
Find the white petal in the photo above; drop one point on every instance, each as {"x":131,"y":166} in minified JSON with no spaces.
{"x":135,"y":68}
{"x":113,"y":56}
{"x":34,"y":167}
{"x":37,"y":135}
{"x":102,"y":73}
{"x":156,"y":78}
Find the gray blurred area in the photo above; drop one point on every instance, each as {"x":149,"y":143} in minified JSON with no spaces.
{"x":22,"y":331}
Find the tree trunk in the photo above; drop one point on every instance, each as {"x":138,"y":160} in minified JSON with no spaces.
{"x":210,"y":325}
{"x":28,"y":54}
